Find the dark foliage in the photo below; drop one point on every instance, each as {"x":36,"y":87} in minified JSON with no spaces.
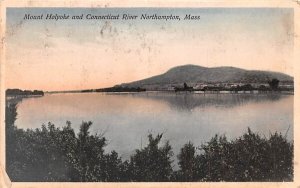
{"x":248,"y":158}
{"x":58,"y":154}
{"x":185,"y":88}
{"x":19,"y":92}
{"x":189,"y":164}
{"x":274,"y":83}
{"x":152,"y":163}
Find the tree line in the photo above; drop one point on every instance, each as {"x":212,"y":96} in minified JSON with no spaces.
{"x":19,"y":92}
{"x":273,"y":85}
{"x":52,"y":154}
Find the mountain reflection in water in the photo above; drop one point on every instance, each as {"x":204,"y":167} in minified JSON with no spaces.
{"x":127,"y":118}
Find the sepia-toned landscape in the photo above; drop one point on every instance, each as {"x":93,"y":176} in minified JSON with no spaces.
{"x":150,"y":100}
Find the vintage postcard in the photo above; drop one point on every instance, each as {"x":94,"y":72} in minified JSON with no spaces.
{"x":133,"y":94}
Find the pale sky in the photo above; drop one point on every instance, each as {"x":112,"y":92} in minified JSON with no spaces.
{"x":81,"y":54}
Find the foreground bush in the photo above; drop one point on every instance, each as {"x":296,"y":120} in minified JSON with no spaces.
{"x":58,"y":154}
{"x":248,"y":158}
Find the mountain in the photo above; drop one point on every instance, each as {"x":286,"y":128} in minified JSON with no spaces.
{"x":192,"y":74}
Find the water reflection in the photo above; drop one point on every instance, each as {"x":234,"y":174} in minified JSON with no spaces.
{"x":126,"y":119}
{"x":190,"y":101}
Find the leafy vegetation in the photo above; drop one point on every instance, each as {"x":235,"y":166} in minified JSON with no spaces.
{"x":19,"y":92}
{"x":59,"y":154}
{"x":274,"y":83}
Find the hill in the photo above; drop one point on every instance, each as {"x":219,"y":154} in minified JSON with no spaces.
{"x":192,"y":74}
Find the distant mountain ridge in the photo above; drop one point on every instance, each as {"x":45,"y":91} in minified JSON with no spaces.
{"x":192,"y":74}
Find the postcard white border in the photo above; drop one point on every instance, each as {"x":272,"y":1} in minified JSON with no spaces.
{"x":295,"y":4}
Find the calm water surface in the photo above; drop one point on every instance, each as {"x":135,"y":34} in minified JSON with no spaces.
{"x":127,"y":119}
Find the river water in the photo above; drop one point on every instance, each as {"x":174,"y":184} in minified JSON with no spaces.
{"x":126,"y":119}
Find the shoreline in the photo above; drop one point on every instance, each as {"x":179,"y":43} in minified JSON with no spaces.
{"x":186,"y":92}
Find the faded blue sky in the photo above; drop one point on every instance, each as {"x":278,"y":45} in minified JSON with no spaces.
{"x":78,"y":54}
